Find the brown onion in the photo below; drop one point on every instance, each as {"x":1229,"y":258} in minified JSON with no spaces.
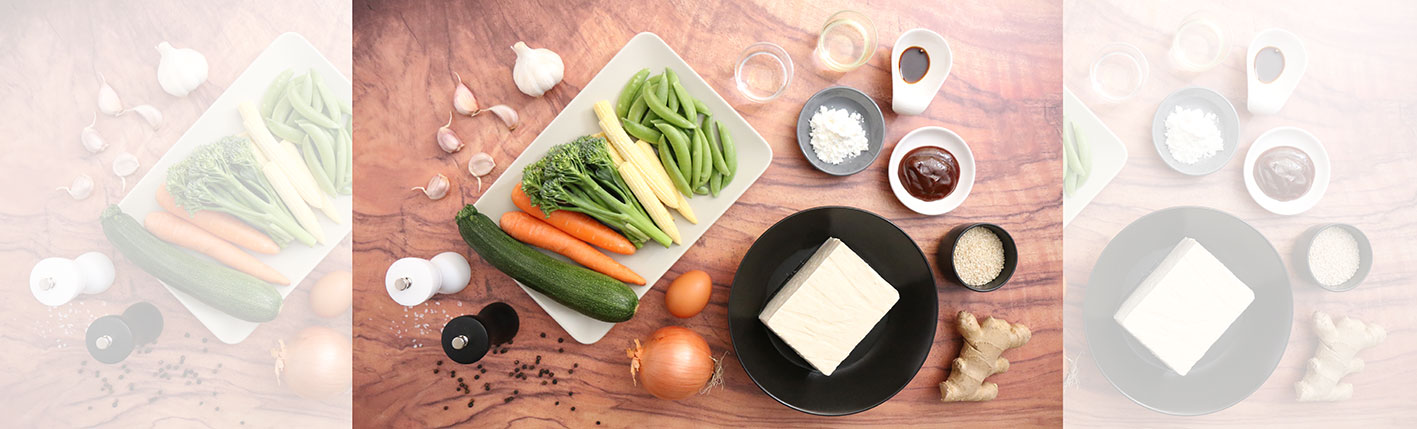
{"x":674,"y":363}
{"x":316,"y":364}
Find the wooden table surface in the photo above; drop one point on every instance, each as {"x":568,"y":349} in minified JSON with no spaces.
{"x":52,"y":54}
{"x":1003,"y":97}
{"x":1359,"y":98}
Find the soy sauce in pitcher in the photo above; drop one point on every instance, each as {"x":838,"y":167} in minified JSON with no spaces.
{"x":914,"y":63}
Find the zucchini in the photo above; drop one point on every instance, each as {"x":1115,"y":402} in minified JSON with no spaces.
{"x":233,"y":292}
{"x":588,"y":292}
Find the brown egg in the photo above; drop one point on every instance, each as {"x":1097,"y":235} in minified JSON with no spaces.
{"x":688,"y":294}
{"x":333,"y":294}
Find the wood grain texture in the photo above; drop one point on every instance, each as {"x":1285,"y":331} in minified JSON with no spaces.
{"x":1359,"y":99}
{"x":48,"y":85}
{"x":1003,"y":97}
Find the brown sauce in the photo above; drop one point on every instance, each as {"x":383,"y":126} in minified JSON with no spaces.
{"x":1269,"y":63}
{"x":1284,"y":173}
{"x":914,"y":62}
{"x":929,"y":173}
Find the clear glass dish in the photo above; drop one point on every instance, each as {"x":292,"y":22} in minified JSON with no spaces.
{"x":1199,"y":44}
{"x":847,"y":41}
{"x":1119,"y":72}
{"x":763,"y":72}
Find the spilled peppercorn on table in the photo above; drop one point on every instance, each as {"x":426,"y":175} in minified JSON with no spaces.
{"x":1003,"y":96}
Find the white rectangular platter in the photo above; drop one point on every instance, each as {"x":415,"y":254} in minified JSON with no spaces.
{"x":1109,"y":154}
{"x":289,"y":50}
{"x":645,"y":50}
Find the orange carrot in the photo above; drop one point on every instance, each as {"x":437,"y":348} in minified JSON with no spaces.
{"x":220,"y":224}
{"x":173,"y":229}
{"x":577,"y":224}
{"x":530,"y":230}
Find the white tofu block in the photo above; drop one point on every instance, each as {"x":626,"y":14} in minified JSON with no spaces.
{"x":829,"y":305}
{"x":1184,"y":305}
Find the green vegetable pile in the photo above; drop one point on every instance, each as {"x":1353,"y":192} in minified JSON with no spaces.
{"x":698,"y":153}
{"x":581,"y":177}
{"x":1077,"y":159}
{"x":225,"y":177}
{"x":302,"y":110}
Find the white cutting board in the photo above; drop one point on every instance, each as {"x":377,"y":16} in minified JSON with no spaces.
{"x":289,"y":50}
{"x":578,"y":119}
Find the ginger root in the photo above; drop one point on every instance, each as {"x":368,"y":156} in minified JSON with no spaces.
{"x":1339,"y":343}
{"x":983,"y":343}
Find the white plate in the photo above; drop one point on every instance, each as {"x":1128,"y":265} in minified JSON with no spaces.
{"x":1108,"y":154}
{"x":578,"y":119}
{"x":1299,"y":139}
{"x":289,"y":50}
{"x":942,"y":138}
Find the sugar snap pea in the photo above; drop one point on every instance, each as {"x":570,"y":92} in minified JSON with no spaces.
{"x":340,"y":161}
{"x":322,"y":146}
{"x":716,"y":147}
{"x":657,"y":106}
{"x":304,"y":110}
{"x":730,"y":152}
{"x":348,"y":156}
{"x":670,"y":166}
{"x":639,"y":131}
{"x":637,"y":109}
{"x":282,"y":109}
{"x":696,"y":154}
{"x":680,"y":143}
{"x":274,"y":92}
{"x":317,"y":103}
{"x":330,"y":102}
{"x":715,"y":184}
{"x":632,"y":89}
{"x":285,"y":132}
{"x":706,"y":169}
{"x":312,"y":162}
{"x":701,"y":107}
{"x":685,"y":101}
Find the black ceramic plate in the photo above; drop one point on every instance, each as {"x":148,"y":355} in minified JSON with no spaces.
{"x":884,"y":361}
{"x":1239,"y":362}
{"x":853,"y":100}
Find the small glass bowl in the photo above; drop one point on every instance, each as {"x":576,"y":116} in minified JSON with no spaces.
{"x":1199,"y":44}
{"x":763,"y":72}
{"x":1119,"y":72}
{"x":847,"y":41}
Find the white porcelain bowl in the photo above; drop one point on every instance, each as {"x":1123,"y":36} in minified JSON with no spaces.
{"x":1299,"y":139}
{"x":942,"y":138}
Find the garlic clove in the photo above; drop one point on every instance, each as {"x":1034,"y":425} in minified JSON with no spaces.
{"x":80,"y":189}
{"x":507,"y":115}
{"x":480,"y":165}
{"x":149,"y":113}
{"x":437,"y":187}
{"x":463,"y":100}
{"x":536,"y":70}
{"x":108,"y":101}
{"x":92,"y":141}
{"x":181,"y":70}
{"x":125,"y":165}
{"x":448,"y":140}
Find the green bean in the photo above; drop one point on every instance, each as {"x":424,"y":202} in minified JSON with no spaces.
{"x":672,"y":101}
{"x":285,"y":132}
{"x":730,"y":152}
{"x":322,"y":144}
{"x":696,"y":154}
{"x":312,"y":162}
{"x":331,"y":103}
{"x":316,"y":101}
{"x":701,"y":107}
{"x":341,"y":159}
{"x":680,"y":143}
{"x":304,"y":110}
{"x":632,"y":88}
{"x":657,"y":106}
{"x":348,"y":156}
{"x":637,"y":109}
{"x":661,"y":88}
{"x":715,"y":184}
{"x":307,"y":87}
{"x":718,"y":164}
{"x":666,"y":159}
{"x":274,"y":92}
{"x":686,"y":101}
{"x":282,"y":109}
{"x":705,"y":170}
{"x":639,"y":131}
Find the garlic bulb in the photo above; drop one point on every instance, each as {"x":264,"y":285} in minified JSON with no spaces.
{"x":181,"y":70}
{"x":80,"y":189}
{"x":93,"y":142}
{"x":108,"y":101}
{"x":437,"y":187}
{"x":537,"y":70}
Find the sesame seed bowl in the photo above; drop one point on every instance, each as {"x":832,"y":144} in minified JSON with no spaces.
{"x":970,"y":253}
{"x":1325,"y":256}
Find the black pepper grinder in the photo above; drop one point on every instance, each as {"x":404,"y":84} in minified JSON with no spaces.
{"x":466,"y":339}
{"x":110,"y":339}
